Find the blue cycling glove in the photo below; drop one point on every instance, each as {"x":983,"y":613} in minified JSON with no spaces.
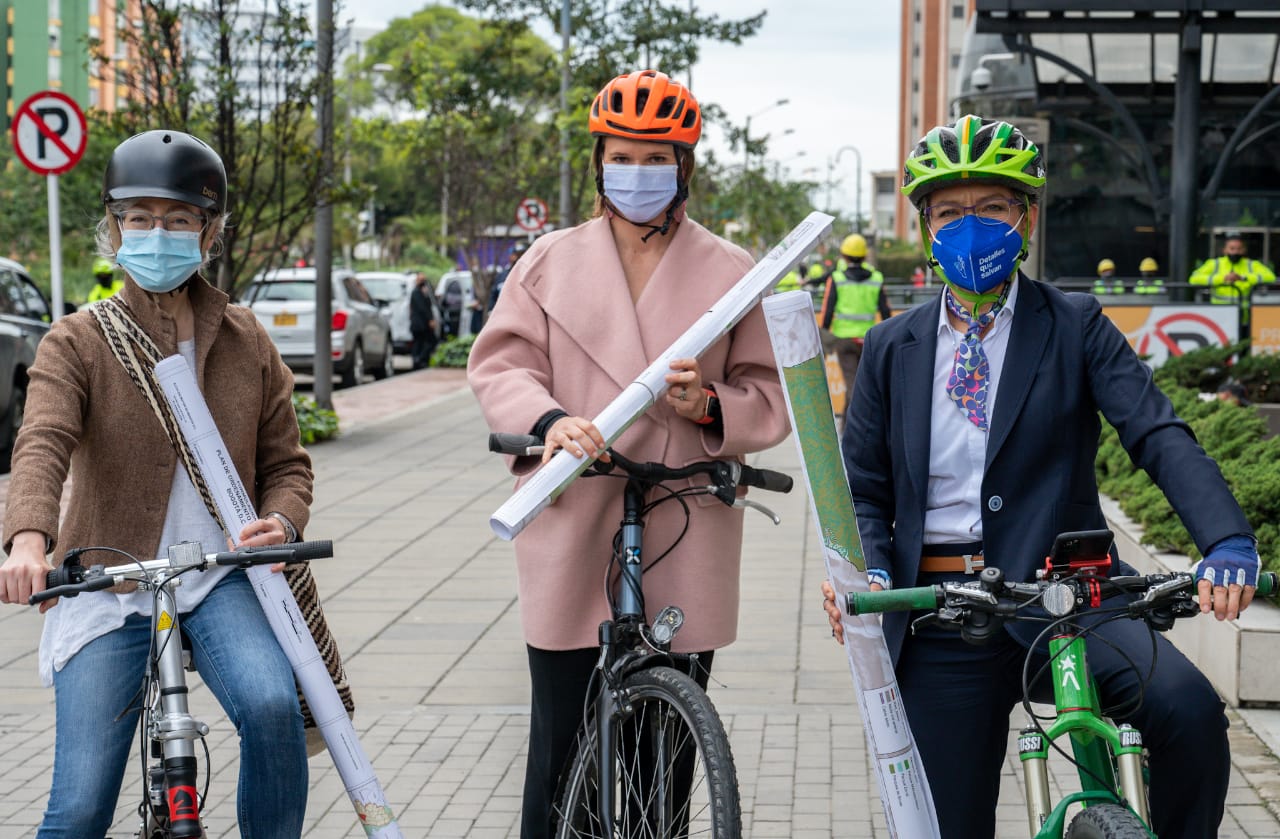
{"x":1233,"y":560}
{"x":880,"y":576}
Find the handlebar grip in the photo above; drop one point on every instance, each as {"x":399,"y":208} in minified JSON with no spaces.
{"x":69,"y":589}
{"x":766,"y":479}
{"x":1268,"y":584}
{"x":893,"y":600}
{"x":270,"y":554}
{"x":517,"y":444}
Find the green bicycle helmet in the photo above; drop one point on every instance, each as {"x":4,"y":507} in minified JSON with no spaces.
{"x":974,"y":150}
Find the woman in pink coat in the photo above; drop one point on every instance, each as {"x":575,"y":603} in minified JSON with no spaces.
{"x":583,"y":312}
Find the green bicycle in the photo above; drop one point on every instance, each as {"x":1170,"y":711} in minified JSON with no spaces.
{"x":1108,"y":757}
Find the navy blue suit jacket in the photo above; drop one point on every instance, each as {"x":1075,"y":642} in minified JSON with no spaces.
{"x":1065,"y":362}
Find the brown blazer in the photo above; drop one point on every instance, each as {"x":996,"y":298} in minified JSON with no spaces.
{"x":565,"y":334}
{"x":84,"y":413}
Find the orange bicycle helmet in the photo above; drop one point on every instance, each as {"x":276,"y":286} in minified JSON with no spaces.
{"x":647,"y":105}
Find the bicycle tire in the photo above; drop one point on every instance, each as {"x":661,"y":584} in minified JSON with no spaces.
{"x":664,"y":708}
{"x":1106,"y":821}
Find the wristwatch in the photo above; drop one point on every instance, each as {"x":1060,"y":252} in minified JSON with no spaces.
{"x":713,"y":407}
{"x":290,"y":532}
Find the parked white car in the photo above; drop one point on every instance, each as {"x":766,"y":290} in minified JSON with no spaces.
{"x":285,"y":302}
{"x":455,"y":293}
{"x":390,"y":291}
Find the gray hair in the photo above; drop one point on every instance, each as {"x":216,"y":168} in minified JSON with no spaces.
{"x":107,"y":225}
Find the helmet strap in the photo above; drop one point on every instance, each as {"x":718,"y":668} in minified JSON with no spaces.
{"x":675,"y":212}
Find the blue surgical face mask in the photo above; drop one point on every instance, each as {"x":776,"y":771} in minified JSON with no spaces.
{"x":159,"y":260}
{"x":640,"y":193}
{"x":976,"y":256}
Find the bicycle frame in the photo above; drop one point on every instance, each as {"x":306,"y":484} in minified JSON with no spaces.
{"x":167,"y":724}
{"x":1094,"y":740}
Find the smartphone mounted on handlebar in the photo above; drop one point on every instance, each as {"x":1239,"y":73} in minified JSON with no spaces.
{"x":1085,"y":552}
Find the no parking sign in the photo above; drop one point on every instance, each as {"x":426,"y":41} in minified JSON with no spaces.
{"x":49,"y":133}
{"x":531,"y":214}
{"x":50,"y":136}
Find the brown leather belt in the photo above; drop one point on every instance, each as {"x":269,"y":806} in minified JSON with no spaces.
{"x":963,"y":564}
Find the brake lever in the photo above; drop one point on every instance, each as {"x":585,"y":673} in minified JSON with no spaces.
{"x":755,"y":505}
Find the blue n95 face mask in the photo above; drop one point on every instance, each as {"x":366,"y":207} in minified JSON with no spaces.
{"x":975,"y":255}
{"x":159,"y":260}
{"x":639,"y":193}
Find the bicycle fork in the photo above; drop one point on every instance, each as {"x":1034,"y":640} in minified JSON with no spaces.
{"x":171,"y":730}
{"x":1094,"y":740}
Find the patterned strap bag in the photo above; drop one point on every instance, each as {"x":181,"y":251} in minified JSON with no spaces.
{"x":134,"y":349}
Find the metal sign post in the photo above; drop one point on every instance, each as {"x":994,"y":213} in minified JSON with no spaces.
{"x":49,"y":136}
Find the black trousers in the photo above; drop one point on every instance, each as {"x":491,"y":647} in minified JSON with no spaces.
{"x":560,"y":680}
{"x":959,"y":697}
{"x":424,"y":344}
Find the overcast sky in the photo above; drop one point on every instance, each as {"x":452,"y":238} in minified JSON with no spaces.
{"x":836,"y":61}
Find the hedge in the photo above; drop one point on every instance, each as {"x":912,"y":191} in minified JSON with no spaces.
{"x":1233,"y":435}
{"x":314,"y":423}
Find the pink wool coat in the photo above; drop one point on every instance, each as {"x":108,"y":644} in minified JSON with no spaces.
{"x":565,"y":334}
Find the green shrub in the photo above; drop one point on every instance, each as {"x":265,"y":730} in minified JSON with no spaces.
{"x":453,"y":352}
{"x":314,"y":423}
{"x":1232,"y":435}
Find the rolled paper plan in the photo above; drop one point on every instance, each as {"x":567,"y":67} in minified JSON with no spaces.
{"x":904,"y":789}
{"x":553,"y":478}
{"x":286,"y":619}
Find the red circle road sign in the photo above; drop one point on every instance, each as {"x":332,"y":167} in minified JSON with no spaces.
{"x":49,"y":133}
{"x":531,"y":215}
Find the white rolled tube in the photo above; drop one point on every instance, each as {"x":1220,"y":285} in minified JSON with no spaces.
{"x":286,"y":619}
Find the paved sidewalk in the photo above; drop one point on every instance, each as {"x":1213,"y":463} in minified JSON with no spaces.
{"x":422,"y":600}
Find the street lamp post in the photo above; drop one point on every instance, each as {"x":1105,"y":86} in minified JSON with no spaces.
{"x":857,"y":189}
{"x":746,"y":157}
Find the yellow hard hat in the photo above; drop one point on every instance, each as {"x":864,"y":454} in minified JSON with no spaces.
{"x":854,"y":246}
{"x":1106,"y":265}
{"x":1149,"y":264}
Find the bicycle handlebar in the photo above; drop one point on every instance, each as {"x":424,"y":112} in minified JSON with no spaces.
{"x":922,"y":598}
{"x":72,"y":578}
{"x":722,"y":472}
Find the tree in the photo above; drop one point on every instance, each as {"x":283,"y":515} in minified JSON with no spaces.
{"x":242,"y":77}
{"x":481,"y":89}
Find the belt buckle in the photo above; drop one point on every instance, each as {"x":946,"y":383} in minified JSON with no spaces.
{"x":972,"y":566}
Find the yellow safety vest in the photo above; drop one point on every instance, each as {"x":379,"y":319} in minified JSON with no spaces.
{"x":100,"y":293}
{"x":856,"y":304}
{"x":1213,"y":273}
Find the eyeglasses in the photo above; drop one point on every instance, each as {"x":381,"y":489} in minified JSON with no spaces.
{"x":178,"y":221}
{"x":987,"y":211}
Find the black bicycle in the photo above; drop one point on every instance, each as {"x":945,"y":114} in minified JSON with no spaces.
{"x":171,"y":806}
{"x":652,"y":757}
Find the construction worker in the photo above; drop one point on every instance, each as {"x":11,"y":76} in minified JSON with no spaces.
{"x":1107,"y":282}
{"x":1148,"y":282}
{"x":853,"y":297}
{"x":790,"y":281}
{"x":107,"y":284}
{"x":1232,"y":276}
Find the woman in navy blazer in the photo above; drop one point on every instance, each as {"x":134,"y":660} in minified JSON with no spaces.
{"x":970,"y":438}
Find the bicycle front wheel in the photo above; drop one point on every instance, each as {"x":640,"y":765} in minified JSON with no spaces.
{"x":673,"y":769}
{"x":1106,"y":821}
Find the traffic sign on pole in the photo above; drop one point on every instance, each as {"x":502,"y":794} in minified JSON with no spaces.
{"x":49,"y":136}
{"x":531,"y":214}
{"x":49,"y":133}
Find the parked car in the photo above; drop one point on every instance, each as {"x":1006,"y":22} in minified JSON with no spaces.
{"x":456,"y":292}
{"x":285,"y":302}
{"x":390,"y":290}
{"x":24,"y":320}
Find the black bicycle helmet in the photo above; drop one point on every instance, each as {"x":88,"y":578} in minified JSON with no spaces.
{"x":167,"y":164}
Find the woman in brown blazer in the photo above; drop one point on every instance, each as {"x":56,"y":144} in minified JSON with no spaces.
{"x":581,"y":314}
{"x":165,"y":197}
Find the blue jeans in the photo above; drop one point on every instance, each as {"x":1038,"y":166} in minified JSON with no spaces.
{"x":241,"y":662}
